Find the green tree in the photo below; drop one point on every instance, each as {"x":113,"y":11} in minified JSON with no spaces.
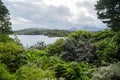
{"x":109,"y":12}
{"x":4,"y":20}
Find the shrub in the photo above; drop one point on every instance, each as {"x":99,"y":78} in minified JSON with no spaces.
{"x":34,"y":55}
{"x":111,"y":72}
{"x":79,"y":47}
{"x":4,"y":73}
{"x":49,"y":62}
{"x":106,"y":50}
{"x":5,"y":38}
{"x":39,"y":46}
{"x":55,"y":48}
{"x":73,"y":71}
{"x":12,"y":55}
{"x":84,"y":35}
{"x":116,"y":39}
{"x":103,"y":35}
{"x":41,"y":59}
{"x":34,"y":73}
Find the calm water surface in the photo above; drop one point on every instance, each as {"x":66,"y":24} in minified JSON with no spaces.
{"x":29,"y":40}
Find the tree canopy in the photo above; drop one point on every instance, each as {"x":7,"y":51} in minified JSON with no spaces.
{"x":109,"y":12}
{"x":4,"y":20}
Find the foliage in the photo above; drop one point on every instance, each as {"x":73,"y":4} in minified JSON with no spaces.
{"x":71,"y":58}
{"x":53,"y":61}
{"x":17,"y":41}
{"x":111,"y":72}
{"x":34,"y":73}
{"x":40,"y":58}
{"x":39,"y":45}
{"x":73,"y":71}
{"x":34,"y":55}
{"x":49,"y":62}
{"x":107,"y":47}
{"x":5,"y":38}
{"x":81,"y":34}
{"x":55,"y":48}
{"x":12,"y":55}
{"x":4,"y":20}
{"x":4,"y":73}
{"x":103,"y":35}
{"x":108,"y":11}
{"x":116,"y":40}
{"x":79,"y":47}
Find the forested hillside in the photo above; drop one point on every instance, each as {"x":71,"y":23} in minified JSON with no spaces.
{"x":41,"y":31}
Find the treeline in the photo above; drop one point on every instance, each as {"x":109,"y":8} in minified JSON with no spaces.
{"x":46,"y":32}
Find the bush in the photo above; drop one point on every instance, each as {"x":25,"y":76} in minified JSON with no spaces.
{"x":4,"y":73}
{"x":12,"y":55}
{"x":34,"y":73}
{"x":79,"y":47}
{"x":103,"y":35}
{"x":5,"y":38}
{"x":116,"y":39}
{"x":111,"y":72}
{"x":73,"y":71}
{"x":55,"y":48}
{"x":84,"y":35}
{"x":34,"y":55}
{"x":41,"y":59}
{"x":39,"y":46}
{"x":108,"y":49}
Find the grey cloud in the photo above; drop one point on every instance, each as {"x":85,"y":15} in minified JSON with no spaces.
{"x":88,"y":20}
{"x":40,"y":15}
{"x":86,"y":4}
{"x":46,"y":16}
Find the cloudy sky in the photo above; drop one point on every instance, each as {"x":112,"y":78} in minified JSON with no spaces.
{"x":58,"y":14}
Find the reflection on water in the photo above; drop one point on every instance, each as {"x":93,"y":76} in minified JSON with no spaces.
{"x":29,"y":40}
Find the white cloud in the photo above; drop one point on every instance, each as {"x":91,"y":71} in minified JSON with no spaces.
{"x":53,"y":13}
{"x":16,"y":0}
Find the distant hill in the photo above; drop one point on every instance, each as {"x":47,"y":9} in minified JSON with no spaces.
{"x":73,"y":29}
{"x":41,"y":31}
{"x":27,"y":30}
{"x":53,"y":32}
{"x":86,"y":28}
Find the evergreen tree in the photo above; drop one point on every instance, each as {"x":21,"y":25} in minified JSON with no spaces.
{"x":109,"y":12}
{"x":4,"y":20}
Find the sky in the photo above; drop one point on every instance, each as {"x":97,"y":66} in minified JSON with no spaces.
{"x":53,"y":14}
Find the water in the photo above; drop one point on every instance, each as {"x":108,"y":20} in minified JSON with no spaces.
{"x":29,"y":40}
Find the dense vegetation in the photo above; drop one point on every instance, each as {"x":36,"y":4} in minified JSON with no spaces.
{"x":40,"y":31}
{"x":82,"y":55}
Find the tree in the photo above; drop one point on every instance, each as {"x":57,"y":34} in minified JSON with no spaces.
{"x":4,"y":20}
{"x":109,"y":12}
